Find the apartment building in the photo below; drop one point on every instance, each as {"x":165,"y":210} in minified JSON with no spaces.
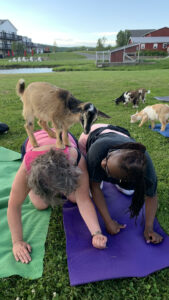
{"x":8,"y":35}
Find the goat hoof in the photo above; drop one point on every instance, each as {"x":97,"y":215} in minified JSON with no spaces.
{"x":62,"y":147}
{"x":68,"y":144}
{"x":52,"y":135}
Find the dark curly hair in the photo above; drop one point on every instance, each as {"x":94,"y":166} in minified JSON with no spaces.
{"x":51,"y":175}
{"x":133,"y":162}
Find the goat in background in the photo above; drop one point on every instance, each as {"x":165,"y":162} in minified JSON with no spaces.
{"x":152,"y":112}
{"x":133,"y":97}
{"x":48,"y":103}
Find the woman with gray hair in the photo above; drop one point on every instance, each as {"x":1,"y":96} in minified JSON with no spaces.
{"x":45,"y":174}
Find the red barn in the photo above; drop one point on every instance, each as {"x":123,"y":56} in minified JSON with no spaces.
{"x":151,"y":39}
{"x":158,"y":32}
{"x":143,"y":39}
{"x":124,"y":54}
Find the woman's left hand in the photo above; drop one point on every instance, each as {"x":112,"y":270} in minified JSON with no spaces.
{"x":99,"y":241}
{"x":152,"y":237}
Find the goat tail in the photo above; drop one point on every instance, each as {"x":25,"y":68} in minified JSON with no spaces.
{"x":20,"y":87}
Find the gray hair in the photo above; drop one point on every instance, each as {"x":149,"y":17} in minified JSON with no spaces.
{"x":51,"y":175}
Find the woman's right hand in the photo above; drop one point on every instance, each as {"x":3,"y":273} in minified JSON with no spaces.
{"x":99,"y":241}
{"x":21,"y":251}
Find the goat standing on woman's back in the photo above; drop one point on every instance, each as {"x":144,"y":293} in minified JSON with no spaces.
{"x":48,"y":103}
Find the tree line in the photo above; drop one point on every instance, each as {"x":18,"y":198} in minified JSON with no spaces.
{"x":122,"y":39}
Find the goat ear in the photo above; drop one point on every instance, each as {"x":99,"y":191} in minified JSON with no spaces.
{"x":103,"y":115}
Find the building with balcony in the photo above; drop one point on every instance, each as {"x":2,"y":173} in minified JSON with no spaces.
{"x":8,"y":35}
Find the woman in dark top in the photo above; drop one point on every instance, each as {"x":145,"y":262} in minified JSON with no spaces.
{"x":114,"y":156}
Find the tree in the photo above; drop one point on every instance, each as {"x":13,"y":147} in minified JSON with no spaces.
{"x":101,"y":44}
{"x":18,"y":48}
{"x":122,"y":38}
{"x":55,"y":47}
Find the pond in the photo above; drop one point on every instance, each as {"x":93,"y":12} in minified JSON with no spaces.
{"x":26,"y":70}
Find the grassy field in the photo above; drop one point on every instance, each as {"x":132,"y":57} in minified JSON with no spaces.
{"x":100,"y":88}
{"x":57,"y":59}
{"x":72,"y":61}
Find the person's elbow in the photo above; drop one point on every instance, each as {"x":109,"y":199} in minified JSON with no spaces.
{"x":95,"y":187}
{"x":14,"y":204}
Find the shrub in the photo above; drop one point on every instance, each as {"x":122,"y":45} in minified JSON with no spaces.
{"x":153,"y":53}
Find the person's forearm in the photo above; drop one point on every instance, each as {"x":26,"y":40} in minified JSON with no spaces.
{"x":89,"y":215}
{"x":151,"y":205}
{"x":100,"y":202}
{"x":15,"y":225}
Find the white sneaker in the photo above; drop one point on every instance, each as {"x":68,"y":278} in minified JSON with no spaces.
{"x":101,"y":185}
{"x":126,"y":192}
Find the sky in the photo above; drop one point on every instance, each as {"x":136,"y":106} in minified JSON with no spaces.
{"x":81,"y":23}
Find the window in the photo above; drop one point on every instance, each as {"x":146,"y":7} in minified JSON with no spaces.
{"x":155,"y":46}
{"x":165,"y":45}
{"x":142,"y":46}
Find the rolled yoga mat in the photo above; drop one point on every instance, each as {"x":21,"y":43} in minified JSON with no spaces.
{"x":165,"y":98}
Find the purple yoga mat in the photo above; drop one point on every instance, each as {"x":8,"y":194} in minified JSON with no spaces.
{"x":126,"y":255}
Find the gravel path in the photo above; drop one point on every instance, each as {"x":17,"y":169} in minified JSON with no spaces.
{"x":88,"y":55}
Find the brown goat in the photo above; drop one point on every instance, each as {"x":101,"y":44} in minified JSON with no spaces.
{"x":138,"y":94}
{"x":133,"y":97}
{"x":48,"y":103}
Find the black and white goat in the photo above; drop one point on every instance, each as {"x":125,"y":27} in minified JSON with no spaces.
{"x":125,"y":97}
{"x":49,"y":103}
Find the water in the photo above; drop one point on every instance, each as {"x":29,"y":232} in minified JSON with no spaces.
{"x":26,"y":71}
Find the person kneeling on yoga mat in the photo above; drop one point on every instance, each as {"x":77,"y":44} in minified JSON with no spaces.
{"x":114,"y":156}
{"x":45,"y":173}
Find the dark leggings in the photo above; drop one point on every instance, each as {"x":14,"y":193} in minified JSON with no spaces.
{"x":23,"y":149}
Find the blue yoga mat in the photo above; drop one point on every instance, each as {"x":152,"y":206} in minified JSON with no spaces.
{"x":127,"y":254}
{"x":165,"y":99}
{"x":158,"y":127}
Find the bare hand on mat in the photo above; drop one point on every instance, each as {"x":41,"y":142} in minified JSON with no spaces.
{"x":99,"y":241}
{"x":152,"y":237}
{"x":21,"y":252}
{"x":113,"y":227}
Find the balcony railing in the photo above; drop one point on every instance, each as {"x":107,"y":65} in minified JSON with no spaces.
{"x":4,"y":46}
{"x":10,"y":36}
{"x":6,"y":40}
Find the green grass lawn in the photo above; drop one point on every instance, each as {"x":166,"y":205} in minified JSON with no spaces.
{"x":49,"y":60}
{"x":73,"y":61}
{"x":100,"y":88}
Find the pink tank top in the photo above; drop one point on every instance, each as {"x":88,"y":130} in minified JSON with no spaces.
{"x":43,"y":139}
